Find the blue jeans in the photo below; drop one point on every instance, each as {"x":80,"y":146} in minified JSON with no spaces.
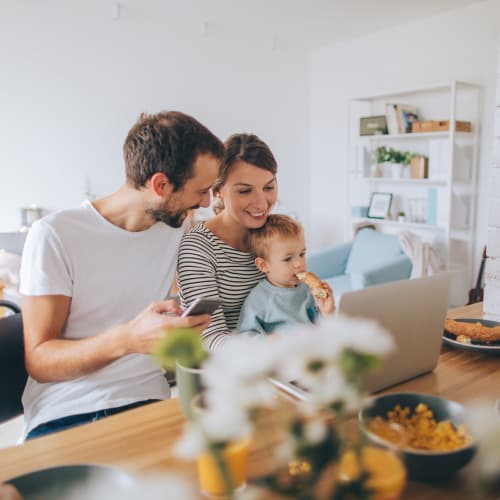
{"x":63,"y":423}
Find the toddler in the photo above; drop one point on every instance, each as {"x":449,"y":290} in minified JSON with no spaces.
{"x":281,"y":297}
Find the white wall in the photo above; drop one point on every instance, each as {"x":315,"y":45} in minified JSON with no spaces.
{"x":492,"y":278}
{"x":458,"y":45}
{"x":73,"y":81}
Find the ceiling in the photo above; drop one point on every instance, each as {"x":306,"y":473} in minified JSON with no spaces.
{"x":288,"y":23}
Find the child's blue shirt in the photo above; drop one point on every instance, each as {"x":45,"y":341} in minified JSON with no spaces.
{"x":270,"y":307}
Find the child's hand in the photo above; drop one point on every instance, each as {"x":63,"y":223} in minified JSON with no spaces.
{"x":325,"y":305}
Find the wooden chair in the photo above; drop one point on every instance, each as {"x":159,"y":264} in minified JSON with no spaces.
{"x":13,"y":373}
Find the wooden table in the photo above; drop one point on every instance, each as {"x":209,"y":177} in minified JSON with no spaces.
{"x":142,"y":440}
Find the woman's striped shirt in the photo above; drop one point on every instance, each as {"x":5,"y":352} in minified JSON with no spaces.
{"x":208,"y":267}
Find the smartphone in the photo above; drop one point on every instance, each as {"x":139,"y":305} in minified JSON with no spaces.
{"x":202,"y":305}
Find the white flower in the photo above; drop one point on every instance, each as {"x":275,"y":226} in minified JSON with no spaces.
{"x":191,"y":443}
{"x":242,"y":357}
{"x":320,"y":345}
{"x":361,"y":335}
{"x":236,"y":377}
{"x":99,"y":487}
{"x":335,"y":390}
{"x":224,"y":423}
{"x":251,"y":492}
{"x":315,"y":430}
{"x":241,"y":394}
{"x":285,"y":451}
{"x":260,"y":393}
{"x":484,"y":423}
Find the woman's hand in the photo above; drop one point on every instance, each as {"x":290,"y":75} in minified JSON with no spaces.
{"x":325,"y":305}
{"x":150,"y":325}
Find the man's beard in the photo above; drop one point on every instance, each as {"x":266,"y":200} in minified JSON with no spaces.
{"x":172,"y":219}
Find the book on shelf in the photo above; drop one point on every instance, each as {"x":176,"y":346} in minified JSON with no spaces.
{"x":391,"y":118}
{"x":400,"y":117}
{"x":408,"y":115}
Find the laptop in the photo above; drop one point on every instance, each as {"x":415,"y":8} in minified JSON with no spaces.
{"x":413,"y":312}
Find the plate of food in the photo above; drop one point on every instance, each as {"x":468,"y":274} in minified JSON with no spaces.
{"x":480,"y":335}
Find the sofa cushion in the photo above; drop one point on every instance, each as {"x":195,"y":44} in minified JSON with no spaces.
{"x":370,"y":249}
{"x":340,"y":284}
{"x":330,"y":261}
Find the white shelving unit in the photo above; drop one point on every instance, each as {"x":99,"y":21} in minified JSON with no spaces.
{"x":420,"y":226}
{"x":405,"y":180}
{"x":448,"y":196}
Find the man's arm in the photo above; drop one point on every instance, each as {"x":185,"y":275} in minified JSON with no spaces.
{"x":52,"y":359}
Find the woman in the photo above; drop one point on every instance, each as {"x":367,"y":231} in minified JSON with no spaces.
{"x":214,"y":260}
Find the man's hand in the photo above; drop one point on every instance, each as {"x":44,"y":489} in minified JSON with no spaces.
{"x":150,"y":325}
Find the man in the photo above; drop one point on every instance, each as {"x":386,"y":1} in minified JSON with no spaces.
{"x":87,"y":273}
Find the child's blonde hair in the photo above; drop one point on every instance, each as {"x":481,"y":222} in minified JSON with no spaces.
{"x":279,"y":225}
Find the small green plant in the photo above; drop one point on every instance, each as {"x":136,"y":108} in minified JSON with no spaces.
{"x":383,"y":154}
{"x":181,"y":345}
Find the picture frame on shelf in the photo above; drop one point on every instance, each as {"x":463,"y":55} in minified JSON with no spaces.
{"x":372,"y":125}
{"x":380,"y":205}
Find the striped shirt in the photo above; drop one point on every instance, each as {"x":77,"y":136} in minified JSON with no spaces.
{"x":208,"y":267}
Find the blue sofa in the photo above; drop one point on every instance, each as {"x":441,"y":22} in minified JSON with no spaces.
{"x":372,"y":258}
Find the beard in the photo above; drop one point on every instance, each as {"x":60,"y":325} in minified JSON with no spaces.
{"x":172,"y":219}
{"x":169,"y":212}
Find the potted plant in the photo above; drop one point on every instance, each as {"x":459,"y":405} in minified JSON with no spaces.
{"x":308,"y":441}
{"x":397,"y":159}
{"x":381,"y":156}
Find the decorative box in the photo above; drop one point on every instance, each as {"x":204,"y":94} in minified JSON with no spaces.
{"x":440,"y":126}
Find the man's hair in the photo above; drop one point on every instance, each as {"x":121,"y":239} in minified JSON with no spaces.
{"x":167,"y":142}
{"x":282,"y":226}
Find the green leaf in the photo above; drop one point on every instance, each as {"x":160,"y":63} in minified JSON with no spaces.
{"x":382,"y":154}
{"x":355,"y":365}
{"x":315,"y":365}
{"x":180,"y":345}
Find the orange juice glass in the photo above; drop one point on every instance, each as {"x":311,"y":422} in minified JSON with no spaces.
{"x":387,"y":473}
{"x":235,"y":456}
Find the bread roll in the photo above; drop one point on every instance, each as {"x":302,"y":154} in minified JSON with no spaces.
{"x":314,"y":283}
{"x":475,"y":331}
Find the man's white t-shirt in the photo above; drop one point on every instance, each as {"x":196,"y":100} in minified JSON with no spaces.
{"x":111,"y":275}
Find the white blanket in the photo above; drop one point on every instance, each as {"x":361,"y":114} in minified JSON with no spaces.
{"x":424,"y":257}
